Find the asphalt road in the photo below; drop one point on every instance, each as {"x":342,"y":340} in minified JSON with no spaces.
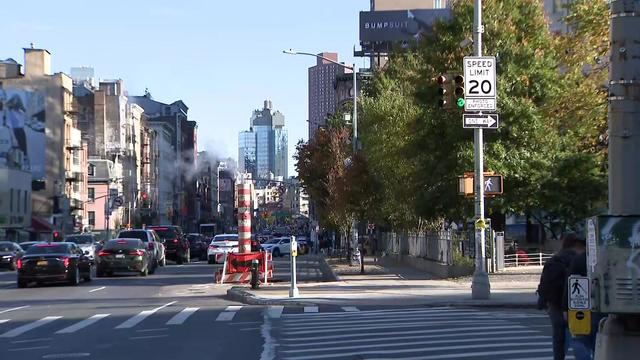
{"x":179,"y":314}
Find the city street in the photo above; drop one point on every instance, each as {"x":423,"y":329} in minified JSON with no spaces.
{"x":178,"y":314}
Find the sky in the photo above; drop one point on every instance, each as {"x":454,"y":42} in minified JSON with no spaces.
{"x":222,"y":58}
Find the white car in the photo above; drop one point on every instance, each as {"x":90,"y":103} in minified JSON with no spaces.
{"x":222,"y":244}
{"x":86,"y":242}
{"x":278,"y":246}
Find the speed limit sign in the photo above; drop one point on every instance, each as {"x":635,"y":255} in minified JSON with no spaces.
{"x":479,"y":83}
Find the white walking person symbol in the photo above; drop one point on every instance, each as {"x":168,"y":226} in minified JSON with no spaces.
{"x":488,"y":184}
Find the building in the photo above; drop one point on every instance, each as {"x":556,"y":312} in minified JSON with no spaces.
{"x":103,"y":218}
{"x":177,"y":159}
{"x":556,"y":10}
{"x":206,"y":188}
{"x":322,"y":93}
{"x":263,"y":149}
{"x":41,"y":110}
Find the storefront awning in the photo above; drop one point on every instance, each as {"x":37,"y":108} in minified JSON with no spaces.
{"x":40,"y":226}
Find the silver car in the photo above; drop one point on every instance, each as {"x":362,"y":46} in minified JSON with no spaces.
{"x":152,"y":241}
{"x":86,"y":242}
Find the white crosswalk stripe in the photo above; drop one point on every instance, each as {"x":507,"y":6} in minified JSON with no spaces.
{"x":416,"y":333}
{"x":27,"y":327}
{"x":229,"y":313}
{"x":135,"y":320}
{"x":2,"y":321}
{"x":82,"y":324}
{"x":350,"y":308}
{"x":275,"y":311}
{"x":182,"y":316}
{"x":311,"y":309}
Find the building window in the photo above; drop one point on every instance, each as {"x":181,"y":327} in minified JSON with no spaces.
{"x":91,"y":169}
{"x":91,"y":193}
{"x":11,"y":201}
{"x":92,"y":218}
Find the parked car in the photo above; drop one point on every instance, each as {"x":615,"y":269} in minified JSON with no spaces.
{"x":10,"y":252}
{"x":55,"y":262}
{"x":87,"y":243}
{"x":176,"y":244}
{"x":123,"y":255}
{"x":153,"y":243}
{"x":222,"y":244}
{"x":198,"y":246}
{"x":278,"y":246}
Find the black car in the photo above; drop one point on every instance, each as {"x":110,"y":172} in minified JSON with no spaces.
{"x":198,"y":246}
{"x":176,"y":244}
{"x":55,"y":262}
{"x":9,"y":254}
{"x":123,"y":255}
{"x":25,"y":245}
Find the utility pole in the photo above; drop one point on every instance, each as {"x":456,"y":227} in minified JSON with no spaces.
{"x":480,"y":287}
{"x":619,"y":337}
{"x":355,"y":150}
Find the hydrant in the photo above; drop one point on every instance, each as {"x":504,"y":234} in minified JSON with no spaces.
{"x":255,"y":279}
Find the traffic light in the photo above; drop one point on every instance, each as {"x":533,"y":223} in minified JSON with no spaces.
{"x":459,"y":91}
{"x":443,"y":92}
{"x":56,"y":236}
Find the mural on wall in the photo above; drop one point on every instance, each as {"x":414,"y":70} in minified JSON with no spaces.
{"x":22,"y":130}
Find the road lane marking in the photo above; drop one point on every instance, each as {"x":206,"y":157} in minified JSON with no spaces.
{"x":386,"y":318}
{"x":24,"y":328}
{"x":66,"y":356}
{"x":31,"y":348}
{"x":30,"y":340}
{"x":2,"y":321}
{"x":381,"y":312}
{"x":98,"y":289}
{"x":275,"y":311}
{"x":135,"y":320}
{"x":182,"y":316}
{"x":233,"y":308}
{"x":475,"y":354}
{"x":311,"y":309}
{"x":148,"y":337}
{"x":350,"y":308}
{"x":229,"y":313}
{"x":82,"y":324}
{"x":14,"y":309}
{"x":152,"y":330}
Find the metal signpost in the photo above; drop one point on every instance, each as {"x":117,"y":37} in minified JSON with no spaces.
{"x":293,"y":291}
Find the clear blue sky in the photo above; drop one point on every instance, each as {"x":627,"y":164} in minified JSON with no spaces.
{"x":222,"y":58}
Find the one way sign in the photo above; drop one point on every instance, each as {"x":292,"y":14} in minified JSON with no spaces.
{"x":480,"y":121}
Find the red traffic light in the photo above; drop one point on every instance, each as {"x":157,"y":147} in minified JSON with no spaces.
{"x":145,"y":196}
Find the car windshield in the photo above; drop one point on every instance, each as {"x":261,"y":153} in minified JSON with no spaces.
{"x":219,"y":238}
{"x":6,"y":247}
{"x":134,"y":234}
{"x":48,"y":249}
{"x":80,"y":239}
{"x":26,"y":245}
{"x":165,"y":233}
{"x":122,"y":244}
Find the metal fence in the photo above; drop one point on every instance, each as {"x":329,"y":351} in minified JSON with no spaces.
{"x":437,"y":246}
{"x":526,"y":259}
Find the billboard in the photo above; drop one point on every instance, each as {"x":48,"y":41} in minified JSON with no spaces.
{"x":22,"y":131}
{"x":398,"y":25}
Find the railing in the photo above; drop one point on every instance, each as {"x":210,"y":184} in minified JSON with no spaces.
{"x":437,"y":246}
{"x":526,"y":259}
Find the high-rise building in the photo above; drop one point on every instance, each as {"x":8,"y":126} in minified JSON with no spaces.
{"x":263,"y":149}
{"x":387,"y":5}
{"x":322,"y":95}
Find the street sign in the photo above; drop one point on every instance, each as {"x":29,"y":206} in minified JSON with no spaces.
{"x":480,"y":121}
{"x":118,"y":201}
{"x":579,"y":295}
{"x":479,"y":83}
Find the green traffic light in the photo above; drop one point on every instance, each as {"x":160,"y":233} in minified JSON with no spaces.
{"x":460,"y":102}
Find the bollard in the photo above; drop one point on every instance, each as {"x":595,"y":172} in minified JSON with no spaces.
{"x":255,"y":281}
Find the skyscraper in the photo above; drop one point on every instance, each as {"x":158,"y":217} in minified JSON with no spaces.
{"x":322,"y":94}
{"x":263,"y":149}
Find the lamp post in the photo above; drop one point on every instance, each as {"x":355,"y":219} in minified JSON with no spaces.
{"x":355,"y":120}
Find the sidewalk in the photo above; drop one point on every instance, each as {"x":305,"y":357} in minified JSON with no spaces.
{"x":385,"y":286}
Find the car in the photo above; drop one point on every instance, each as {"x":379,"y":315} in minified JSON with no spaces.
{"x":198,"y":245}
{"x":123,"y":255}
{"x":87,"y":243}
{"x":278,"y":246}
{"x":25,"y":245}
{"x":10,"y":252}
{"x":304,"y":245}
{"x":222,"y":244}
{"x":176,"y":244}
{"x":152,"y":241}
{"x":53,"y":262}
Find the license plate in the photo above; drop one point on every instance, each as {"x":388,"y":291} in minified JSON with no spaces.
{"x":42,"y":263}
{"x":120,"y":256}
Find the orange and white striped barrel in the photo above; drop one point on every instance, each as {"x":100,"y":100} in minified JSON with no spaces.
{"x":244,"y":217}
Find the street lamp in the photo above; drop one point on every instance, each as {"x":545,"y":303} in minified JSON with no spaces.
{"x":355,"y":118}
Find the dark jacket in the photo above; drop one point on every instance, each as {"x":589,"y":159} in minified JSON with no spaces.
{"x":554,"y":277}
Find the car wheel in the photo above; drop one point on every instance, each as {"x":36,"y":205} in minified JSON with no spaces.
{"x":179,"y":260}
{"x":22,"y":284}
{"x":87,"y":277}
{"x":276,"y":252}
{"x":144,"y":272}
{"x":75,"y":280}
{"x":163,"y":262}
{"x":12,"y":266}
{"x":212,"y":260}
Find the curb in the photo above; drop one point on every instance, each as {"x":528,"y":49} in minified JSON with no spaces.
{"x":240,"y":294}
{"x":326,"y":269}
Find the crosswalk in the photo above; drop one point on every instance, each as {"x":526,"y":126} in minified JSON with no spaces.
{"x":170,"y":314}
{"x":414,"y":333}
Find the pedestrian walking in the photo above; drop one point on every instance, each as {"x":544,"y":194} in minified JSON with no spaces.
{"x":552,"y":290}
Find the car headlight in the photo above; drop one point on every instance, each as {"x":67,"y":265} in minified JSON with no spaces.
{"x":7,"y":256}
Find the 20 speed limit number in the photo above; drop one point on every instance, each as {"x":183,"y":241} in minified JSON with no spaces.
{"x":480,"y":83}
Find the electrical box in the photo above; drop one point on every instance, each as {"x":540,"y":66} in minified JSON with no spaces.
{"x":613,"y":263}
